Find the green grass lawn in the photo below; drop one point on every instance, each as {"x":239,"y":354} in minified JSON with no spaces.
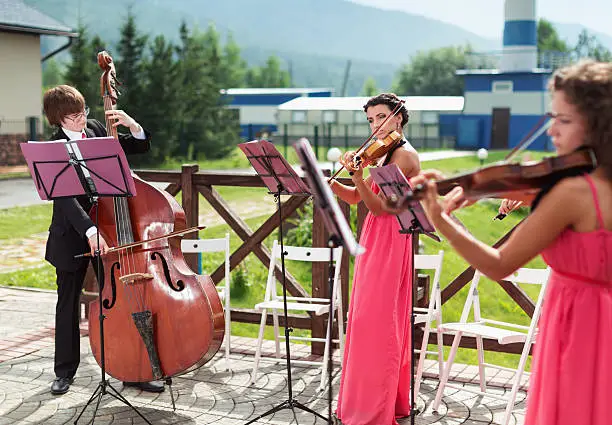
{"x":248,"y":283}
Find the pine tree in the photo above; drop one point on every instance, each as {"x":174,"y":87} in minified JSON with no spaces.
{"x":234,"y":66}
{"x":130,"y":65}
{"x":83,"y":72}
{"x":160,"y":94}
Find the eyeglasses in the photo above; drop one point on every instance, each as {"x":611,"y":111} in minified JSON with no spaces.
{"x":74,"y":117}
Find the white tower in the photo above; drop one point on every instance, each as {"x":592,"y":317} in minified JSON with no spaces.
{"x":520,"y":51}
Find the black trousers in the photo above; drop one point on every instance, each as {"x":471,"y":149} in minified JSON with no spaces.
{"x":67,"y":315}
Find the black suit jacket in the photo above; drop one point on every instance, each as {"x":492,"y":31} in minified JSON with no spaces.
{"x":70,"y":218}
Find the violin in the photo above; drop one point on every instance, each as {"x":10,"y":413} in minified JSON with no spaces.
{"x":377,"y":148}
{"x":508,"y":181}
{"x":373,"y":149}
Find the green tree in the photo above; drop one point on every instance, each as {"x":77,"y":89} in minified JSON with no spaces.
{"x":83,"y":71}
{"x":234,"y":65}
{"x":588,"y":46}
{"x":433,"y":73}
{"x":369,"y":88}
{"x":206,"y":128}
{"x":130,"y":64}
{"x":52,"y":73}
{"x":548,"y":38}
{"x":161,"y":95}
{"x":270,"y":76}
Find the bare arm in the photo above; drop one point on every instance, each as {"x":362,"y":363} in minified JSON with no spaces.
{"x":347,"y":193}
{"x":557,"y":211}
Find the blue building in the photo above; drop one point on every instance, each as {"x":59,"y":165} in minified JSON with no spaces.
{"x":257,"y":108}
{"x":503,"y":105}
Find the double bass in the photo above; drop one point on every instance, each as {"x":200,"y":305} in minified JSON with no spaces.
{"x":161,"y":318}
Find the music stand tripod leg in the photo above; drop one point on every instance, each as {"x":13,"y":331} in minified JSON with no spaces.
{"x":290,"y":403}
{"x":101,"y":389}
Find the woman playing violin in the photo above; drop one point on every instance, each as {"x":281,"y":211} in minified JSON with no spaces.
{"x":375,"y":383}
{"x":571,"y":226}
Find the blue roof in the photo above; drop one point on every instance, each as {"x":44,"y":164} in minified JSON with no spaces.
{"x":16,"y":16}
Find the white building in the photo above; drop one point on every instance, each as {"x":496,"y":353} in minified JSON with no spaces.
{"x":342,"y":120}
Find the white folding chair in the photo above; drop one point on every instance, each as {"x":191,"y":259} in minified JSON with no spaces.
{"x":433,"y":313}
{"x":274,"y":301}
{"x":486,"y":328}
{"x":217,"y":245}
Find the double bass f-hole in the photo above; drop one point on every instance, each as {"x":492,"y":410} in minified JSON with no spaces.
{"x":179,"y":283}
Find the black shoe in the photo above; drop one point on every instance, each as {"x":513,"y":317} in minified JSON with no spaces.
{"x":151,"y":387}
{"x":61,"y":385}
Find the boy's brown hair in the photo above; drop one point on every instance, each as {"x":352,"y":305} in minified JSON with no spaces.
{"x":61,"y":101}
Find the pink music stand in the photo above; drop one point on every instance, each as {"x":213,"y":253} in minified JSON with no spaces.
{"x":276,"y":173}
{"x":391,"y":182}
{"x":280,"y":179}
{"x":94,"y":167}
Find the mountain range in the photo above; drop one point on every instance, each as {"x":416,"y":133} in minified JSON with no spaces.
{"x":315,"y":39}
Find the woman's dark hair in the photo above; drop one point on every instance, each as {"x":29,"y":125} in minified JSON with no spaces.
{"x":588,"y":86}
{"x":391,"y":100}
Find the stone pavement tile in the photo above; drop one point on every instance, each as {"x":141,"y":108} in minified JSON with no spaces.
{"x":208,"y":395}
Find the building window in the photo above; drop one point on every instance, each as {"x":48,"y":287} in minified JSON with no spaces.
{"x":502,"y":87}
{"x":359,"y":117}
{"x":429,"y":117}
{"x":298,"y":117}
{"x":330,"y":117}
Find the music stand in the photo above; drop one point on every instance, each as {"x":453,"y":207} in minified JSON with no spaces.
{"x":280,"y":179}
{"x":413,"y":221}
{"x":339,"y":231}
{"x":93,"y":167}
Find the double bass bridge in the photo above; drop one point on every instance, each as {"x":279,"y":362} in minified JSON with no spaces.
{"x":133,"y":278}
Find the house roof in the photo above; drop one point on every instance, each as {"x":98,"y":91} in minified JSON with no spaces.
{"x":413,"y":103}
{"x":272,"y":91}
{"x":16,"y":16}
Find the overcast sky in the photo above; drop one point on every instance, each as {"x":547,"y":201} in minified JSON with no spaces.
{"x":594,"y":14}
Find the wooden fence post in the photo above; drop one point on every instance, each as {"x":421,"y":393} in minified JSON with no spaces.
{"x":190,"y":204}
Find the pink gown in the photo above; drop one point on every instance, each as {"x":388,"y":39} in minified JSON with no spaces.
{"x":375,"y":382}
{"x":572,"y":363}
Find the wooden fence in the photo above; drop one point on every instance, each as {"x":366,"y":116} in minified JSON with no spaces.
{"x":193,"y":183}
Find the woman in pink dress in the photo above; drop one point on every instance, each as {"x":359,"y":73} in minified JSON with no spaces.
{"x":570,"y":224}
{"x":375,"y":382}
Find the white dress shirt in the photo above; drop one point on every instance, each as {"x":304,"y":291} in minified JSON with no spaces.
{"x":76,"y":135}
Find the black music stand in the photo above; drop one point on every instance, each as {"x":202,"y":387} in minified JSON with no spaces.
{"x":94,"y":167}
{"x":339,"y":235}
{"x":412,"y":221}
{"x":280,"y":179}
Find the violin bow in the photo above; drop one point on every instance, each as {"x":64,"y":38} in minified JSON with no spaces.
{"x":533,"y":134}
{"x":132,"y":245}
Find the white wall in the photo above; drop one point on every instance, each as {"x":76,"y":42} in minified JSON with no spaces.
{"x":20,"y":80}
{"x":526,"y":103}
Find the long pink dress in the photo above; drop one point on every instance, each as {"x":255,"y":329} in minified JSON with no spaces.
{"x":572,"y":367}
{"x":375,"y":382}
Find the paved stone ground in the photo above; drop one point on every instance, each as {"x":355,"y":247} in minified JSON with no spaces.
{"x":210,"y":395}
